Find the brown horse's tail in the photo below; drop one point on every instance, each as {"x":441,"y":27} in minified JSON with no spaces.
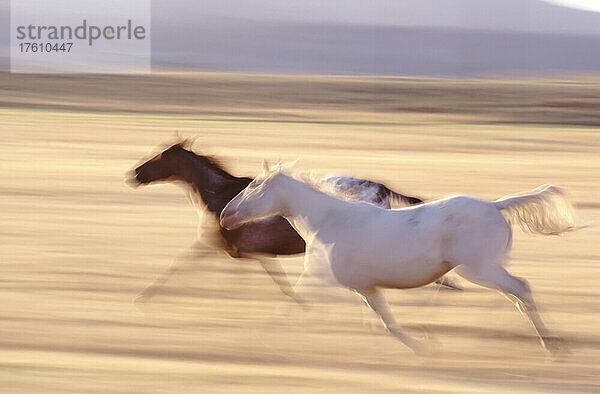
{"x":398,"y":200}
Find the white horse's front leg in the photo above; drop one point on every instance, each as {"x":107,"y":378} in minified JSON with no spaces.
{"x":301,"y":291}
{"x":316,"y":271}
{"x":376,"y":300}
{"x":276,"y":272}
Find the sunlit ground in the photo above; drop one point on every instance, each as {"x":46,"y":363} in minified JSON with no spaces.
{"x":78,"y":243}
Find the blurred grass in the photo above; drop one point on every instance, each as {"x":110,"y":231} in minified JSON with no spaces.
{"x":78,"y":243}
{"x":330,"y":99}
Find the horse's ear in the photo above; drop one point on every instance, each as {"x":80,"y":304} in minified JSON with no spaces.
{"x":265,"y":166}
{"x":177,"y":137}
{"x":290,"y":165}
{"x":188,"y":142}
{"x":184,"y":142}
{"x":277,"y":167}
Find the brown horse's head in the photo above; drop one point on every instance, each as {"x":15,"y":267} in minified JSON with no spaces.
{"x":165,"y":166}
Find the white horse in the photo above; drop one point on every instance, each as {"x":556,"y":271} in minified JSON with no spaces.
{"x":370,"y":248}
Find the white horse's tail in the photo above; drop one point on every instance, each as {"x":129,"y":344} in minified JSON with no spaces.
{"x":545,"y":210}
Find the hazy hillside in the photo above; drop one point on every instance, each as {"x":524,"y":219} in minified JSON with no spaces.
{"x":430,"y":37}
{"x":234,"y":45}
{"x":534,"y":16}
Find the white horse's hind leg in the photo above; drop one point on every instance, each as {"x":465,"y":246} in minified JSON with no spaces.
{"x":376,"y":300}
{"x":518,"y":291}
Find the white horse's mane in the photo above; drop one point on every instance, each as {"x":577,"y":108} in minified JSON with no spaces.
{"x":312,"y":179}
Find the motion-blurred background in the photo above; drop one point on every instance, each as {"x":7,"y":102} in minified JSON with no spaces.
{"x":433,"y":98}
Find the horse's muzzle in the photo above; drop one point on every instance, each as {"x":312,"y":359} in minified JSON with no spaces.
{"x":229,"y":221}
{"x":132,"y":179}
{"x":141,"y":177}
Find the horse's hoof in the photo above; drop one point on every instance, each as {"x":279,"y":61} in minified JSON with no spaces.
{"x":293,"y":297}
{"x":372,"y":324}
{"x":142,"y":298}
{"x":453,"y":287}
{"x":423,"y":347}
{"x":557,"y":346}
{"x":427,"y":345}
{"x":305,"y":306}
{"x":301,"y":302}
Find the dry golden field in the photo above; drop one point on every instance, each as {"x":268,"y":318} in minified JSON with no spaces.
{"x":78,"y":243}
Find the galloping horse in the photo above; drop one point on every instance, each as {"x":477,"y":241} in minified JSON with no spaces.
{"x":212,"y":187}
{"x":369,"y":248}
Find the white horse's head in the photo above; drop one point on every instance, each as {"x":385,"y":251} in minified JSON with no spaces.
{"x":258,"y":200}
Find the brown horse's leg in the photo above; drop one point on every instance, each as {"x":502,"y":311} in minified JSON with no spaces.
{"x":273,"y":267}
{"x":177,"y":264}
{"x":449,"y":283}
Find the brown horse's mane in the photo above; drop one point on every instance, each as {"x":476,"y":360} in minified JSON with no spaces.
{"x":213,"y":164}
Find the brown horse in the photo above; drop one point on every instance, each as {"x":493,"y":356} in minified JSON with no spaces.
{"x":212,"y":187}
